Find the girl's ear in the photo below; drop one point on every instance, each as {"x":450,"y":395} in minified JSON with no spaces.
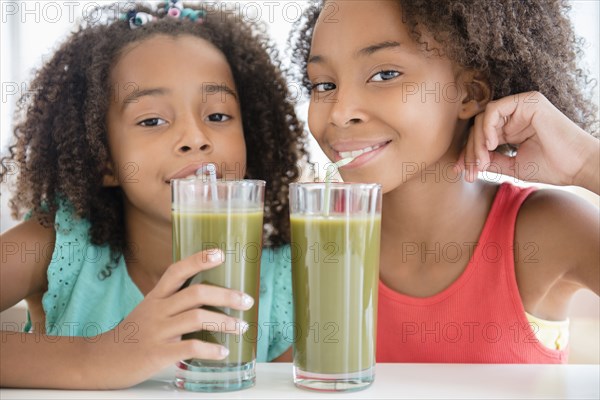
{"x":477,"y":94}
{"x":110,"y":179}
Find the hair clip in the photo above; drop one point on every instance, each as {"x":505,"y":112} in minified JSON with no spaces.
{"x":137,"y":19}
{"x":173,"y":9}
{"x":176,"y":10}
{"x":178,"y":4}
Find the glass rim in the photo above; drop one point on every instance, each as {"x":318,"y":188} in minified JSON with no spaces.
{"x":339,"y":185}
{"x":219,"y":182}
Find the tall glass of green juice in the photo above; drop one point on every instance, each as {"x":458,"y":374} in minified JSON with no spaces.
{"x":225,"y":215}
{"x":335,"y":231}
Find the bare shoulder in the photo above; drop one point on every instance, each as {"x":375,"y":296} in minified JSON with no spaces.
{"x":557,"y":246}
{"x":26,"y":253}
{"x":560,"y":221}
{"x":30,"y":231}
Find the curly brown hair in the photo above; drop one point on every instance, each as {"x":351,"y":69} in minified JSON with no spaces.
{"x":61,"y":149}
{"x":517,"y":46}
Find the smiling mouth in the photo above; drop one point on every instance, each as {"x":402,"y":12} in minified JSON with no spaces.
{"x":360,"y":152}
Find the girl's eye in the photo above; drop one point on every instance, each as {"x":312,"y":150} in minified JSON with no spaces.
{"x":322,"y":87}
{"x":152,"y":122}
{"x":385,"y":76}
{"x":218,"y":117}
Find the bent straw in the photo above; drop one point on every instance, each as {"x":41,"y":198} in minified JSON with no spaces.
{"x":212,"y":176}
{"x":331,"y":170}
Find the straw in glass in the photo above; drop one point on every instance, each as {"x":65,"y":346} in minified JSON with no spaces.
{"x":212,"y":176}
{"x":331,"y":170}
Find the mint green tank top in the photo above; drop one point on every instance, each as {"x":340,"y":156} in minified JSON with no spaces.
{"x":89,"y":293}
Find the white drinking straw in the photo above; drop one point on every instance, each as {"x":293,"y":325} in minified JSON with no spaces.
{"x":331,"y":170}
{"x":212,"y":176}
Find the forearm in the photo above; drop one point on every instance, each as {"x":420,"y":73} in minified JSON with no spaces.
{"x":37,"y":361}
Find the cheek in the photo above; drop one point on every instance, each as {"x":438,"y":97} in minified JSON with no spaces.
{"x":118,"y":154}
{"x":137,"y":162}
{"x":317,"y":119}
{"x":122,"y":149}
{"x":130,"y":157}
{"x":241,"y":158}
{"x":240,"y":149}
{"x":426,"y":120}
{"x":233,"y":155}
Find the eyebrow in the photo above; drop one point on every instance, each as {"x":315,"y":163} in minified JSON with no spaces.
{"x":212,"y":88}
{"x":137,"y":94}
{"x":208,"y":88}
{"x":366,"y":51}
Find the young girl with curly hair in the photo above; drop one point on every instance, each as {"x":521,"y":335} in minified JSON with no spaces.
{"x":121,"y":109}
{"x":426,"y":94}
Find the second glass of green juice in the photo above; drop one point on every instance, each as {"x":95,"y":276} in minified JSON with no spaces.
{"x":225,"y":215}
{"x":335,"y":231}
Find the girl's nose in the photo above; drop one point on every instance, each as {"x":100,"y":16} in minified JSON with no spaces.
{"x":185,"y":148}
{"x":348,"y":109}
{"x":193,"y":139}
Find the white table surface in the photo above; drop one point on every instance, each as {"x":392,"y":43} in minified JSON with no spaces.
{"x":392,"y":381}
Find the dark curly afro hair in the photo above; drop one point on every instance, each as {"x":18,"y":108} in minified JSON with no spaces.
{"x":61,"y":151}
{"x":518,"y":46}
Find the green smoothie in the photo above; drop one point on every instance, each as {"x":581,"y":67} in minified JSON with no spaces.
{"x":239,"y":235}
{"x":334,"y":260}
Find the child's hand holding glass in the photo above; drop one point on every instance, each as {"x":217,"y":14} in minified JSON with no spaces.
{"x":154,"y":328}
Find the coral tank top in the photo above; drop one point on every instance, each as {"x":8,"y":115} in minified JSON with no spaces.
{"x":480,"y":317}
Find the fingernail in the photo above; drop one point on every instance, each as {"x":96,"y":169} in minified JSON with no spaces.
{"x":215,"y":256}
{"x":478,"y":162}
{"x":247,"y":301}
{"x":224,"y":351}
{"x":488,"y":144}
